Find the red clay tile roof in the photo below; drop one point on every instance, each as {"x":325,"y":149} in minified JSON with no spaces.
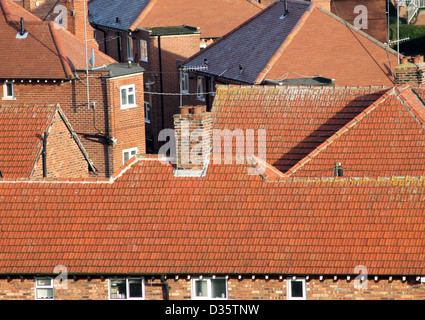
{"x":387,"y":137}
{"x":228,"y":222}
{"x":214,"y":18}
{"x":307,"y":42}
{"x":21,"y":129}
{"x":297,"y":119}
{"x":48,"y":51}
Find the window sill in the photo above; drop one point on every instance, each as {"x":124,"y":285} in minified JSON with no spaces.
{"x":128,"y":106}
{"x":147,"y":121}
{"x":144,"y":60}
{"x":8,"y":98}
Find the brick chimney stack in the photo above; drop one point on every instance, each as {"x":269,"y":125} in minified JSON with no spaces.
{"x":76,"y":21}
{"x":411,"y":70}
{"x":193,"y":133}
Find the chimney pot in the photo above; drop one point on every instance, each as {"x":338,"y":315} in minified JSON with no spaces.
{"x":197,"y":110}
{"x":416,"y":60}
{"x":184,"y":110}
{"x":404,"y":60}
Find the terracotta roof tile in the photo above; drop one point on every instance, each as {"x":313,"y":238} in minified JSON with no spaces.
{"x":297,"y":119}
{"x":336,"y":229}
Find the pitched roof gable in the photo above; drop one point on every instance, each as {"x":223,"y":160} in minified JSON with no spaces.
{"x":47,"y":52}
{"x":386,"y":139}
{"x":296,"y":119}
{"x":22,"y":130}
{"x":214,"y":18}
{"x":341,"y":51}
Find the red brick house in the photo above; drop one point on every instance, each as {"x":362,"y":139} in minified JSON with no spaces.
{"x":159,"y":34}
{"x":39,"y":143}
{"x":298,"y":229}
{"x":44,"y":64}
{"x":341,"y":52}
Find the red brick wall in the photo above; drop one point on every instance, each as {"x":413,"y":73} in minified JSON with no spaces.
{"x":376,"y":11}
{"x":245,"y":289}
{"x":173,"y":50}
{"x":64,"y":158}
{"x":127,"y":126}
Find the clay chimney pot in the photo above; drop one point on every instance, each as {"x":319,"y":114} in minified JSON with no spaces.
{"x":184,"y":110}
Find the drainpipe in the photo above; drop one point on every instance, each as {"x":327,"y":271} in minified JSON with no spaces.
{"x":160,"y":81}
{"x":46,"y":134}
{"x":166,"y":287}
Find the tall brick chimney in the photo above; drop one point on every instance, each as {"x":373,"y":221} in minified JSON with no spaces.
{"x":411,"y":70}
{"x":76,"y":22}
{"x":193,"y":133}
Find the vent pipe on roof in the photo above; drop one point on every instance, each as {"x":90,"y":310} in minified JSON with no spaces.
{"x":46,"y":134}
{"x":285,"y":5}
{"x":338,"y":169}
{"x":22,"y":32}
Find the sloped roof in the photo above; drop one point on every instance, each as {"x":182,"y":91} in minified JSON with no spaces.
{"x":22,"y":130}
{"x":307,"y":42}
{"x":47,"y":52}
{"x":214,"y":18}
{"x":387,"y":137}
{"x":297,"y":119}
{"x":149,"y":222}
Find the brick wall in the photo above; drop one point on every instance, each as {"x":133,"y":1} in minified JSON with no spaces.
{"x":64,"y":158}
{"x":127,"y":126}
{"x":174,"y":49}
{"x":244,"y":289}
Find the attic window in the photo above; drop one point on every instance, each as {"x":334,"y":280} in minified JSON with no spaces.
{"x":8,"y":91}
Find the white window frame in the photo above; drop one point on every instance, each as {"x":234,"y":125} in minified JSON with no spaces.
{"x":289,"y":289}
{"x":128,"y":105}
{"x":38,"y":286}
{"x":143,"y":50}
{"x":212,"y":92}
{"x":6,"y":96}
{"x":209,"y":289}
{"x":200,"y":92}
{"x":147,"y":112}
{"x":129,"y":48}
{"x":184,"y":82}
{"x":129,"y":150}
{"x":127,"y":288}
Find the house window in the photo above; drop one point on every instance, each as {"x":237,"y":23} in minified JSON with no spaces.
{"x":207,"y":288}
{"x":127,"y":154}
{"x":184,"y":82}
{"x":44,"y":289}
{"x":200,"y":89}
{"x":296,"y":289}
{"x":147,"y":112}
{"x":143,"y":50}
{"x":128,"y":96}
{"x":8,"y":91}
{"x":127,"y":288}
{"x":129,"y":48}
{"x":212,"y":90}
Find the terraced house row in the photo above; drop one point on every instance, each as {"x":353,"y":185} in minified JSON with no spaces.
{"x":333,"y":210}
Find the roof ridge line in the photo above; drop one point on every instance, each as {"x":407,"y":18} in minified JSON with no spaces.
{"x":143,"y":14}
{"x":412,"y":109}
{"x":338,"y":133}
{"x":228,"y":33}
{"x":261,"y":76}
{"x":58,"y":44}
